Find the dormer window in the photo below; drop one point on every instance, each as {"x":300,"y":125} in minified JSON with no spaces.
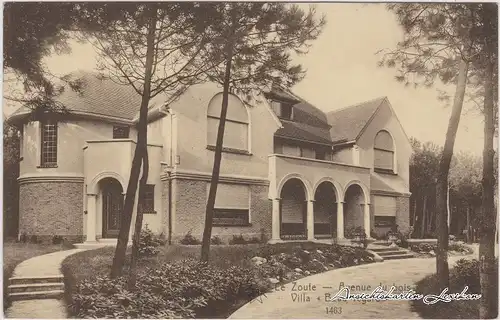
{"x":283,"y":110}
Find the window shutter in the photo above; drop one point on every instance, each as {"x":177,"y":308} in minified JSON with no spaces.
{"x":384,"y":159}
{"x":385,"y":206}
{"x":231,"y":196}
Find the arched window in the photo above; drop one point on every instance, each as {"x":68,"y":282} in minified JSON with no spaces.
{"x":383,"y":151}
{"x":237,"y":122}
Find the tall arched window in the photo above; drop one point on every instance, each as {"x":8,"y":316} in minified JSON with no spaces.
{"x":383,"y":151}
{"x":237,"y":122}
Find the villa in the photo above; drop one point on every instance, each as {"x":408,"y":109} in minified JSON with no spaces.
{"x":289,"y":170}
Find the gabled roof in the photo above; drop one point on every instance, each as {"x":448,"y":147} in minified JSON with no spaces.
{"x":103,"y":98}
{"x":98,"y":97}
{"x":348,"y":123}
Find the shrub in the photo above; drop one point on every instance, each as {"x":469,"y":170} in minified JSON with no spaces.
{"x":254,"y":240}
{"x":466,"y":272}
{"x":23,"y":237}
{"x":423,"y":247}
{"x":149,"y":243}
{"x":355,"y":232}
{"x":216,"y":240}
{"x":190,"y":240}
{"x":459,"y":248}
{"x":34,"y":239}
{"x":185,"y":289}
{"x":263,"y":236}
{"x":237,"y":240}
{"x":57,"y":239}
{"x":241,"y":240}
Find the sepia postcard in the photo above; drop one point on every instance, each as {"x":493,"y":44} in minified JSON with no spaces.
{"x":250,"y":160}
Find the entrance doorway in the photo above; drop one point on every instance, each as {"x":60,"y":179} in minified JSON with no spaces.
{"x":112,"y":206}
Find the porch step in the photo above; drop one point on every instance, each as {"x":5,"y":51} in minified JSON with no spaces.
{"x":50,"y":294}
{"x":98,"y":244}
{"x":36,"y":280}
{"x":399,"y":256}
{"x":382,"y":249}
{"x":35,"y":287}
{"x":44,"y":287}
{"x":384,"y":254}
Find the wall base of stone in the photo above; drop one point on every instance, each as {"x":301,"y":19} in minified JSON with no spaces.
{"x":48,"y":209}
{"x":190,"y":197}
{"x":403,"y":214}
{"x":50,"y":239}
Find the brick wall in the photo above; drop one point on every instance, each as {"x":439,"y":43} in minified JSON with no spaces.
{"x":403,"y":214}
{"x":190,"y":200}
{"x":51,"y":208}
{"x":165,"y":208}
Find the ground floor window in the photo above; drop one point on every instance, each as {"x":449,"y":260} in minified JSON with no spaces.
{"x":147,"y":200}
{"x":232,"y":205}
{"x":385,"y":221}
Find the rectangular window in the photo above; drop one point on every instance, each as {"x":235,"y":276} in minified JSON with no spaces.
{"x":307,"y":153}
{"x":385,"y":221}
{"x":49,"y":144}
{"x":282,"y":109}
{"x":320,"y":154}
{"x":286,"y":111}
{"x":121,"y":132}
{"x":231,"y":205}
{"x":147,"y":200}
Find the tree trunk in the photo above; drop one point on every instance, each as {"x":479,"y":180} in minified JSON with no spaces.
{"x":442,"y":181}
{"x":209,"y":213}
{"x":448,"y":211}
{"x":468,"y":234}
{"x":134,"y":257}
{"x":488,"y":307}
{"x":424,"y":208}
{"x":140,"y":149}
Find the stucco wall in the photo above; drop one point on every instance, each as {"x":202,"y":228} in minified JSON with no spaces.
{"x":343,"y":156}
{"x":313,"y":172}
{"x":51,"y":208}
{"x":91,"y":163}
{"x":385,"y":119}
{"x":70,"y":141}
{"x":190,"y":198}
{"x":191,"y":141}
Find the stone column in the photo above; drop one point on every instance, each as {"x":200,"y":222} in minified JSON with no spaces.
{"x":275,"y":221}
{"x":367,"y":219}
{"x":91,"y":217}
{"x":340,"y":220}
{"x":310,"y":220}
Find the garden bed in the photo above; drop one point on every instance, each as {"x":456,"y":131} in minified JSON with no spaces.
{"x":174,"y":284}
{"x":464,"y":273}
{"x":429,"y":250}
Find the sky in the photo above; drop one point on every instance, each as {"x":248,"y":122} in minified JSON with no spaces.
{"x":342,"y":70}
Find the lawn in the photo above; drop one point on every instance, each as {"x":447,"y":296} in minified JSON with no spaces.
{"x":86,"y":266}
{"x":15,"y":253}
